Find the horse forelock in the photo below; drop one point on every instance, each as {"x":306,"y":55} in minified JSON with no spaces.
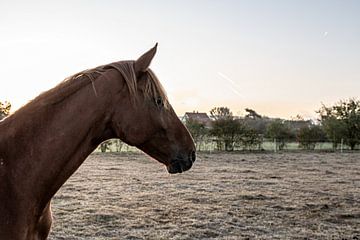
{"x":153,"y":88}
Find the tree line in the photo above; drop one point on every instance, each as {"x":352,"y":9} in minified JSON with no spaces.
{"x":5,"y":108}
{"x":338,"y":124}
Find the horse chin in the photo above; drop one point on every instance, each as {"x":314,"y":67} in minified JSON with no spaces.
{"x":179,"y":166}
{"x":175,"y":163}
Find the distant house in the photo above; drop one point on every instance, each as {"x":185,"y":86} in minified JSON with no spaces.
{"x":296,"y":125}
{"x":198,"y":117}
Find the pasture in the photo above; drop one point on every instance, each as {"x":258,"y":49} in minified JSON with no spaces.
{"x":224,"y":196}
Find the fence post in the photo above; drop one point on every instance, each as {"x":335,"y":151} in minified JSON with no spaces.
{"x":275,"y":148}
{"x":342,"y":145}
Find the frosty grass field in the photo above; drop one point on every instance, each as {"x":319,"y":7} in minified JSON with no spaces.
{"x":224,"y":196}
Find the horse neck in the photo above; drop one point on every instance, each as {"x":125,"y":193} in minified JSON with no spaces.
{"x":52,"y":142}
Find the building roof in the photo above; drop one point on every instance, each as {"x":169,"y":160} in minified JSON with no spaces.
{"x":199,"y":117}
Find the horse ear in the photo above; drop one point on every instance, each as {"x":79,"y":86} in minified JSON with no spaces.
{"x":143,"y":62}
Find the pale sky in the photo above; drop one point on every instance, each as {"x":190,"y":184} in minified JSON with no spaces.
{"x":280,"y":58}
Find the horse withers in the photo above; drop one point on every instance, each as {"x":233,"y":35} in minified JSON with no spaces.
{"x":44,"y":143}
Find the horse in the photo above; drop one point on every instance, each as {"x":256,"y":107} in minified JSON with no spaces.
{"x":43,"y":143}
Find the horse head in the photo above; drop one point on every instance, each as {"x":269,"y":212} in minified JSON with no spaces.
{"x":148,"y":121}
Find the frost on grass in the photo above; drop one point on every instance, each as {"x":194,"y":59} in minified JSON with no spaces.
{"x":224,"y":196}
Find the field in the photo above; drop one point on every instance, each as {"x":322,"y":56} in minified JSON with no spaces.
{"x":224,"y":196}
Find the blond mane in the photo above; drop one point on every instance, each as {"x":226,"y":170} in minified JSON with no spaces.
{"x":153,"y":88}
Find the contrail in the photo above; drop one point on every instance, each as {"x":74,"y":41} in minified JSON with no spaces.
{"x":232,"y":86}
{"x":226,"y":77}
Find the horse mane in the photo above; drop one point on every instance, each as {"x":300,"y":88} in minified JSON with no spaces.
{"x":70,"y":85}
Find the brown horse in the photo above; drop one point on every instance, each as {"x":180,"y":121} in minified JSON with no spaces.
{"x":43,"y":143}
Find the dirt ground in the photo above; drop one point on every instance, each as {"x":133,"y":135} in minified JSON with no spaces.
{"x":224,"y":196}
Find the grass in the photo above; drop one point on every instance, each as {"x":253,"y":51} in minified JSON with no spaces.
{"x":224,"y":196}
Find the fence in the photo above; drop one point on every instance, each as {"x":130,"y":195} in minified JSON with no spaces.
{"x":272,"y":145}
{"x":267,"y":145}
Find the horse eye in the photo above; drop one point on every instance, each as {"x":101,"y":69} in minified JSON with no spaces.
{"x":159,"y":102}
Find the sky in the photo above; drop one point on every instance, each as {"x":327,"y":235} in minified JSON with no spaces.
{"x":280,"y":58}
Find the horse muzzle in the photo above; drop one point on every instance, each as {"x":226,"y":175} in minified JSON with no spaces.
{"x":181,"y":164}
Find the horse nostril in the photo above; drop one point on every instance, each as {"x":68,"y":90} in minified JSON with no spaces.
{"x":193,"y":156}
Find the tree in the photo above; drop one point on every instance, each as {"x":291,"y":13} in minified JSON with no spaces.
{"x":221,"y":113}
{"x":250,"y":139}
{"x":309,"y":135}
{"x":4,"y":109}
{"x":105,"y":145}
{"x":226,"y":128}
{"x":342,"y":121}
{"x":258,"y":124}
{"x":198,"y":131}
{"x":118,"y":144}
{"x":227,"y":131}
{"x":280,"y":132}
{"x":111,"y":144}
{"x":251,"y":114}
{"x":335,"y":130}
